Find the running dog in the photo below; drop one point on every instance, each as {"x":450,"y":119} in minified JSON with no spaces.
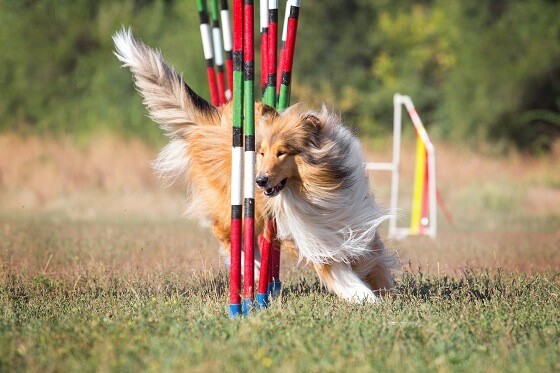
{"x":309,"y":166}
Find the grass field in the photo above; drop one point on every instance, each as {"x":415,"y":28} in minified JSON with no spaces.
{"x":100,"y":272}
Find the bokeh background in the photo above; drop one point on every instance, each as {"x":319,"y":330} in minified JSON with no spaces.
{"x":477,"y":71}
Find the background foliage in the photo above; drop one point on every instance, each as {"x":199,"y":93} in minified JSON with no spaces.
{"x":478,"y":71}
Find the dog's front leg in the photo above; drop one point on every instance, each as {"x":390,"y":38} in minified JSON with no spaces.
{"x":344,"y":282}
{"x":226,"y":258}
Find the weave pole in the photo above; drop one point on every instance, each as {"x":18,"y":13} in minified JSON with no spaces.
{"x":207,"y":48}
{"x":270,"y":91}
{"x":218,"y":50}
{"x":274,"y":284}
{"x":249,"y":158}
{"x":263,"y":12}
{"x":226,"y":32}
{"x":267,"y":241}
{"x":286,"y":63}
{"x":235,"y":308}
{"x":283,"y":43}
{"x":287,"y":58}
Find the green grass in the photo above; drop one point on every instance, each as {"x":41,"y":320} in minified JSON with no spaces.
{"x":479,"y":321}
{"x":112,"y":278}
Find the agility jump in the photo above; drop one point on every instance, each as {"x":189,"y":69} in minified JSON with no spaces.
{"x":423,"y":215}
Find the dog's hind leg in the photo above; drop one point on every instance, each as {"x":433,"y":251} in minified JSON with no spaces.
{"x":376,"y":274}
{"x":341,"y":279}
{"x":375,"y":268}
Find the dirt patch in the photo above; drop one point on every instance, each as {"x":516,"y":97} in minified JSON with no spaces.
{"x":102,"y":201}
{"x":34,"y":172}
{"x":453,"y":253}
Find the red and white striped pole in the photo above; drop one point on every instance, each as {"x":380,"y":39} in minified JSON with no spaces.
{"x":218,"y":50}
{"x":263,"y":12}
{"x":207,"y":48}
{"x":265,"y":243}
{"x":287,"y":58}
{"x":226,"y":32}
{"x":270,"y":246}
{"x":270,"y":92}
{"x":284,"y":84}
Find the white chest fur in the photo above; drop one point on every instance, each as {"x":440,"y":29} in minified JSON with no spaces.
{"x":335,"y":227}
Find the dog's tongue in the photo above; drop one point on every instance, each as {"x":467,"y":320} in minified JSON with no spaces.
{"x":270,"y":192}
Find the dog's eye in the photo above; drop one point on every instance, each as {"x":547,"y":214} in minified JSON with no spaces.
{"x":279,"y":154}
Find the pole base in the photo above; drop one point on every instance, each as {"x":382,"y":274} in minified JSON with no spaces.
{"x":247,"y":306}
{"x":262,"y":300}
{"x":234,"y":310}
{"x":274,"y":288}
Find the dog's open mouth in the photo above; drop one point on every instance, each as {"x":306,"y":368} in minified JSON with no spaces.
{"x":271,"y":192}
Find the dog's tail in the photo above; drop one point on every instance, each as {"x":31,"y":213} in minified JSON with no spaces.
{"x":170,"y":102}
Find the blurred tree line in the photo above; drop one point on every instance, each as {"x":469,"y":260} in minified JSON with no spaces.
{"x":477,"y":71}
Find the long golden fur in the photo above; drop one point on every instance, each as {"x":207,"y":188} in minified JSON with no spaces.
{"x":304,"y":169}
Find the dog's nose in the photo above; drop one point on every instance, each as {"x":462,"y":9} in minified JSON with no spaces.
{"x":262,"y":180}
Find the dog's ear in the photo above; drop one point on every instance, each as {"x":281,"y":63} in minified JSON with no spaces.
{"x":268,"y":112}
{"x":312,"y":125}
{"x":170,"y":102}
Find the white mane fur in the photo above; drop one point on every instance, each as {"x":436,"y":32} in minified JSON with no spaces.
{"x":333,"y":226}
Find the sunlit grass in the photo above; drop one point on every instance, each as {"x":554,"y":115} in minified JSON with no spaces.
{"x":100,"y":271}
{"x":479,"y":321}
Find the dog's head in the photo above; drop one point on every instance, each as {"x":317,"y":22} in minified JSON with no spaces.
{"x":286,"y":141}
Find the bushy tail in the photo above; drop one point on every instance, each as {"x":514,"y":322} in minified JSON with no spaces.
{"x":170,"y":102}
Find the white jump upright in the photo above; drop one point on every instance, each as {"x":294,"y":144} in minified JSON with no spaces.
{"x":424,"y":213}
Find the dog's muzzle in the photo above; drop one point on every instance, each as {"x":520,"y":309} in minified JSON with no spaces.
{"x":262,"y":181}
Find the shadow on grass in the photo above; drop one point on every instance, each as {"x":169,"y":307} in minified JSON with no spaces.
{"x":18,"y":289}
{"x":217,"y":283}
{"x":303,"y":286}
{"x":474,"y":286}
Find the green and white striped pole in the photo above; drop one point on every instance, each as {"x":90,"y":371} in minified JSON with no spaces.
{"x":249,"y":158}
{"x":236,"y":164}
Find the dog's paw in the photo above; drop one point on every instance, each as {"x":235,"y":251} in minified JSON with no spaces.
{"x":364,"y":296}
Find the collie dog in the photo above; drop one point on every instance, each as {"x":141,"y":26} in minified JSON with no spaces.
{"x":310,"y":169}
